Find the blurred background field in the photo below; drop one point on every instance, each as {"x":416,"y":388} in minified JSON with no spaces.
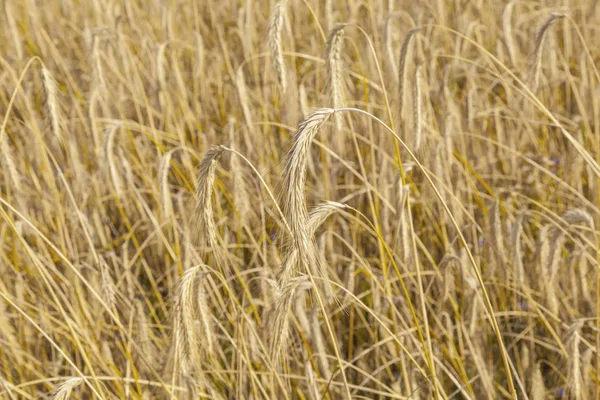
{"x":299,"y":199}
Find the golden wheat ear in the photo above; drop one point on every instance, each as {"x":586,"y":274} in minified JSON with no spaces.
{"x":274,"y":31}
{"x":278,"y":315}
{"x":292,"y":197}
{"x":193,"y":338}
{"x":333,"y":65}
{"x":204,"y":208}
{"x":534,"y":75}
{"x":53,"y":105}
{"x":63,"y":391}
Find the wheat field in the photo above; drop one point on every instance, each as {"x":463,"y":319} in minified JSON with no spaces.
{"x":299,"y":199}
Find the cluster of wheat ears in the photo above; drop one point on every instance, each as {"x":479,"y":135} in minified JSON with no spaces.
{"x":301,"y":199}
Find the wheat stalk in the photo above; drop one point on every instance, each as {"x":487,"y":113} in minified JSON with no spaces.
{"x":508,"y":34}
{"x":418,"y":111}
{"x":586,"y":368}
{"x":240,"y":84}
{"x":98,"y":80}
{"x":143,"y":330}
{"x":107,"y":286}
{"x":515,"y":245}
{"x":496,"y":237}
{"x":163,"y":179}
{"x":9,"y":161}
{"x":241,"y":198}
{"x":14,"y":32}
{"x":303,"y":98}
{"x":403,"y":234}
{"x":109,"y":145}
{"x":7,"y":332}
{"x":317,"y":340}
{"x":557,"y":243}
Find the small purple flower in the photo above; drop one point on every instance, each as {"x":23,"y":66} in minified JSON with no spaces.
{"x":481,"y":242}
{"x":560,"y":392}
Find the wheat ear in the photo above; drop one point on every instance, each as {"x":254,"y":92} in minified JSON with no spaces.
{"x":192,"y":326}
{"x":107,"y":285}
{"x":51,"y":88}
{"x":316,"y":217}
{"x":294,"y":177}
{"x":574,"y":379}
{"x":538,"y":389}
{"x":279,"y":322}
{"x":276,"y":20}
{"x":333,"y":64}
{"x":402,"y":78}
{"x":204,"y":208}
{"x":539,"y":45}
{"x":63,"y":392}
